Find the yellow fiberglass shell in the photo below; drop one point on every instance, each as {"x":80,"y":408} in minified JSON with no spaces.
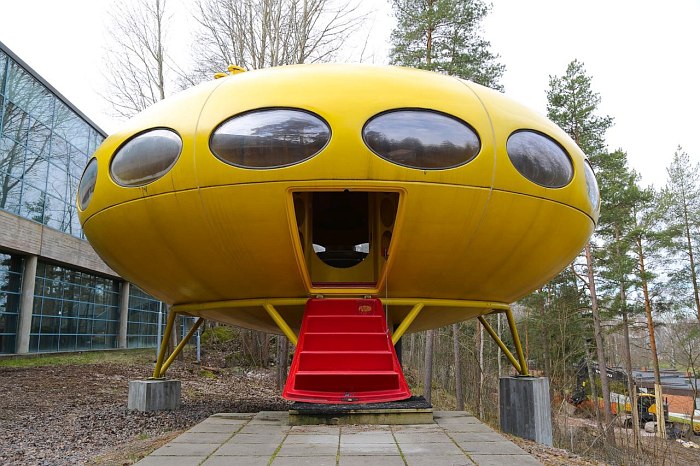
{"x":209,"y":232}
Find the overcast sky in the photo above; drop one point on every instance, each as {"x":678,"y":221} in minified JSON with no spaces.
{"x":643,"y":57}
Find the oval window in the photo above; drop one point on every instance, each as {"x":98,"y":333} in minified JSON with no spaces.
{"x":270,"y":138}
{"x":591,"y":185}
{"x":540,"y":159}
{"x":421,"y":139}
{"x":146,"y":157}
{"x":87,"y":184}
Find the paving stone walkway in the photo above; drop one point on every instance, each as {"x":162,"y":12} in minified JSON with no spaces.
{"x":455,"y":438}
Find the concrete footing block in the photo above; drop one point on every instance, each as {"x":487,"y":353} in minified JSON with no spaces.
{"x":525,"y":408}
{"x":154,"y":395}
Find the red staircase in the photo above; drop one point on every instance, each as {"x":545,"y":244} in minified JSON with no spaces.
{"x":345,"y":355}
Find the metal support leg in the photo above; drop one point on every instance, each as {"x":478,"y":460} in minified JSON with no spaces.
{"x":406,"y":322}
{"x":157,"y":373}
{"x":182,"y":344}
{"x":516,"y":342}
{"x":281,"y":323}
{"x":500,"y":343}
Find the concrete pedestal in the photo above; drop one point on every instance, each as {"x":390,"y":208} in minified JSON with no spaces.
{"x":525,"y":408}
{"x":154,"y":395}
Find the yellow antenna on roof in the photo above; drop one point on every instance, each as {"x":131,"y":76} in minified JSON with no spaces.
{"x":232,"y":69}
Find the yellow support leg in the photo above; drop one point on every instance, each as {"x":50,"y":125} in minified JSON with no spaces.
{"x":500,"y":343}
{"x":157,"y":374}
{"x":516,"y":342}
{"x":181,"y":346}
{"x":408,"y":320}
{"x":288,"y":332}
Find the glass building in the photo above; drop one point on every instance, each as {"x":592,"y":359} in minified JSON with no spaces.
{"x":55,"y":292}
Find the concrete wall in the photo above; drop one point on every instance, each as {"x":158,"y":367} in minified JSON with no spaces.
{"x":23,"y":236}
{"x":38,"y":242}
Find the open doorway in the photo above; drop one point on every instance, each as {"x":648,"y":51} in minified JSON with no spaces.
{"x":345,"y":235}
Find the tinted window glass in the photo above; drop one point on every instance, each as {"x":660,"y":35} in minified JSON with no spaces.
{"x":270,"y":138}
{"x":87,"y":184}
{"x":146,"y":157}
{"x":421,"y":139}
{"x":591,"y":185}
{"x":540,"y":159}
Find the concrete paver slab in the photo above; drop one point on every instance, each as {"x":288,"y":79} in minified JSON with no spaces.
{"x":239,"y":416}
{"x":171,"y":460}
{"x":366,"y":437}
{"x":364,"y":461}
{"x":422,"y":437}
{"x":476,"y":437}
{"x":467,"y":428}
{"x":447,"y":414}
{"x":500,"y":460}
{"x":326,"y":439}
{"x":216,"y":428}
{"x":282,"y":416}
{"x":444,"y":417}
{"x":417,"y":428}
{"x":202,"y":437}
{"x":439,"y":460}
{"x":369,"y":449}
{"x":246,"y":449}
{"x":253,"y":440}
{"x":186,"y":449}
{"x":492,"y":448}
{"x":307,"y":449}
{"x":436,"y":449}
{"x":332,"y":430}
{"x":264,"y":430}
{"x":257,"y":438}
{"x":237,"y":461}
{"x":225,"y":420}
{"x":304,"y":461}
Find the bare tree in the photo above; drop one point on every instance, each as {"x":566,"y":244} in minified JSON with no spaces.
{"x":136,"y":63}
{"x":263,"y":33}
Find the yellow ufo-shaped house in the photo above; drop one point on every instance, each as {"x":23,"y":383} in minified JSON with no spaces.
{"x":240,"y":198}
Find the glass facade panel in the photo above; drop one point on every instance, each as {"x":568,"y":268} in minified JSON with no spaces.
{"x":44,"y":146}
{"x":73,"y":311}
{"x":142,"y":330}
{"x":33,"y":201}
{"x":10,"y":290}
{"x":15,"y":123}
{"x":3,"y":64}
{"x":11,"y":194}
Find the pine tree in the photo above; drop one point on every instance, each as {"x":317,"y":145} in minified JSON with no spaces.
{"x":619,"y":195}
{"x":647,"y":247}
{"x":444,"y":36}
{"x":681,"y":203}
{"x":572,"y":104}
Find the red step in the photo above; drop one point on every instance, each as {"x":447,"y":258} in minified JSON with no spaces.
{"x":345,"y":355}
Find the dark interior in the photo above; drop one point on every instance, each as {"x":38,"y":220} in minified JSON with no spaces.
{"x":341,"y":229}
